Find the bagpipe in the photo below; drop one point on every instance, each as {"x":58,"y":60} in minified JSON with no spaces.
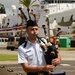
{"x":50,"y":51}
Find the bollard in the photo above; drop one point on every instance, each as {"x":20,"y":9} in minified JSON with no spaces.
{"x":10,"y":70}
{"x":19,"y":73}
{"x":2,"y":66}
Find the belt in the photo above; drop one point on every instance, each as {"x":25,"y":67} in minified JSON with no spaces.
{"x":37,"y":73}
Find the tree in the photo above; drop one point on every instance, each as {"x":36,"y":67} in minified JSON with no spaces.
{"x":1,"y":5}
{"x":2,"y":9}
{"x":28,"y":4}
{"x":73,"y":29}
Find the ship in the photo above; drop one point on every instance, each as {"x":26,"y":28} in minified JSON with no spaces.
{"x":59,"y":13}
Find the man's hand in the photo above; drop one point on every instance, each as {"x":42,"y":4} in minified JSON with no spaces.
{"x":55,"y":61}
{"x":49,"y":68}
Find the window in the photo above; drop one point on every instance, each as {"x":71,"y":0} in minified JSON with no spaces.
{"x":11,"y":39}
{"x":2,"y":40}
{"x":5,"y":40}
{"x":17,"y":39}
{"x":60,"y":1}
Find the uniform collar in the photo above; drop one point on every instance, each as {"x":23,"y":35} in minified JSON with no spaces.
{"x":29,"y":42}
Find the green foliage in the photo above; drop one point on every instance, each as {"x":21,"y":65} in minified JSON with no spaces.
{"x":73,"y":31}
{"x":1,"y":5}
{"x":25,"y":2}
{"x":2,"y":9}
{"x":7,"y":57}
{"x":73,"y":28}
{"x":28,"y":3}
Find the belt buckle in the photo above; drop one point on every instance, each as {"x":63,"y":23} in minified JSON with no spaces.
{"x":40,"y":73}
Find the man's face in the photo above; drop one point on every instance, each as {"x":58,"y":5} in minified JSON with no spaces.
{"x":32,"y":31}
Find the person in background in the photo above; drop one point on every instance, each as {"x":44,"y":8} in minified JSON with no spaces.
{"x":31,"y":56}
{"x":23,"y":37}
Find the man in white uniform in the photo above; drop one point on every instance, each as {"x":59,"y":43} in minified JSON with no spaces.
{"x":31,"y":56}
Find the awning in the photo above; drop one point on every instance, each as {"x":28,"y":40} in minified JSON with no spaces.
{"x":63,"y":18}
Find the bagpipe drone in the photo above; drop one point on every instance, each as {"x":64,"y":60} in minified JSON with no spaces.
{"x":50,"y":51}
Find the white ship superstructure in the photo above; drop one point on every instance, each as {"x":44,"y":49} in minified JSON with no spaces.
{"x":60,"y":15}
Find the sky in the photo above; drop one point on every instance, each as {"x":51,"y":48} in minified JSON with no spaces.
{"x":8,"y":5}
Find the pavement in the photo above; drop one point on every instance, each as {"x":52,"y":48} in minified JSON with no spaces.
{"x":65,"y":55}
{"x":67,"y":64}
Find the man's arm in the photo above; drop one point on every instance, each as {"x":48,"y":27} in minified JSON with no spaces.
{"x":27,"y":68}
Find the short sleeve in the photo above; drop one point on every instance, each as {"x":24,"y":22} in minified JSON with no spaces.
{"x":21,"y":55}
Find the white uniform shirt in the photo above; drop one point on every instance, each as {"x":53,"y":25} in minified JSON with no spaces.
{"x":31,"y":54}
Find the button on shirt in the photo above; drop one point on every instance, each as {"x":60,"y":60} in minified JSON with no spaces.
{"x":31,"y":54}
